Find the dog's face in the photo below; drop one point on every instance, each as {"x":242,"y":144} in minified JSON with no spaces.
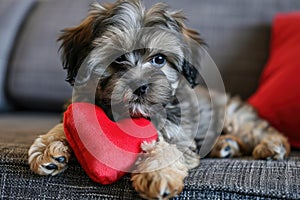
{"x":138,"y":56}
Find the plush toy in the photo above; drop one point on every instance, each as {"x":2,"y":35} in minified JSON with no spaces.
{"x":106,"y":150}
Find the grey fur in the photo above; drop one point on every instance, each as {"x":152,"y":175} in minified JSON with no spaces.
{"x":181,"y":114}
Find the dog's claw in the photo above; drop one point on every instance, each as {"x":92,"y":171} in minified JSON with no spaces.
{"x":227,"y":148}
{"x":61,"y":159}
{"x":51,"y":166}
{"x":165,"y":194}
{"x":228,"y":155}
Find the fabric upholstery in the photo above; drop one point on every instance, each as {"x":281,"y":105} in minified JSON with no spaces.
{"x":12,"y":15}
{"x":23,"y":127}
{"x":213,"y":179}
{"x":36,"y":79}
{"x":278,"y":96}
{"x":236,"y":31}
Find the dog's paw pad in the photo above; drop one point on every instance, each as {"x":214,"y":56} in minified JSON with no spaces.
{"x":158,"y":185}
{"x":226,"y":147}
{"x":61,"y":159}
{"x":159,"y":173}
{"x":165,"y":194}
{"x":50,"y":166}
{"x":48,"y":159}
{"x":56,"y":166}
{"x":226,"y":152}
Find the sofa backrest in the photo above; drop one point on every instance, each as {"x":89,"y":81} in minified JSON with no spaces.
{"x":36,"y":79}
{"x":237,"y":33}
{"x":12,"y":15}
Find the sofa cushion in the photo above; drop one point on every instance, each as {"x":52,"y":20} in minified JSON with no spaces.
{"x":36,"y":79}
{"x":25,"y":127}
{"x":236,"y":31}
{"x":12,"y":15}
{"x":278,"y":96}
{"x":213,"y":179}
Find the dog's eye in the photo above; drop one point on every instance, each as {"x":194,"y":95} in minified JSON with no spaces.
{"x":158,"y":60}
{"x":121,"y":59}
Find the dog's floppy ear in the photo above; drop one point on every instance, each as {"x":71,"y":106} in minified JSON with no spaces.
{"x":194,"y":41}
{"x":77,"y":42}
{"x":190,"y":73}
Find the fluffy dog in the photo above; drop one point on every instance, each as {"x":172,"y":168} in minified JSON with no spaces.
{"x":134,"y":62}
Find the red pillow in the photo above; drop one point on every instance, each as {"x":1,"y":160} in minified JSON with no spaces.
{"x":278,"y":96}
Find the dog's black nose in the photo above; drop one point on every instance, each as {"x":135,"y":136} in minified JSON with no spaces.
{"x":141,"y":90}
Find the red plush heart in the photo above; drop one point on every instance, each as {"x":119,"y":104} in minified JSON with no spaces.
{"x":106,"y":150}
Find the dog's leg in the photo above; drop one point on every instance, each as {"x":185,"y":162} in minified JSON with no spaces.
{"x":160,"y":171}
{"x":248,"y":134}
{"x":50,"y":153}
{"x":275,"y":147}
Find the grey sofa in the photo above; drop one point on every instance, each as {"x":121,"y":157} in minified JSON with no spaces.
{"x":33,"y":89}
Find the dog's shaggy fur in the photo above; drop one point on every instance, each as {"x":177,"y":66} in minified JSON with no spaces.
{"x":134,"y":62}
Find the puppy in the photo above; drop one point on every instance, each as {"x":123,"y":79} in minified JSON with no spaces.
{"x":134,"y":62}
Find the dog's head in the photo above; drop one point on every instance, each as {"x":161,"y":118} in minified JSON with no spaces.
{"x":139,"y":56}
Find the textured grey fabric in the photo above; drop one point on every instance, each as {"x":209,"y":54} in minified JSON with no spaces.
{"x":237,"y":34}
{"x":36,"y":79}
{"x":12,"y":15}
{"x":23,"y":127}
{"x":214,"y":179}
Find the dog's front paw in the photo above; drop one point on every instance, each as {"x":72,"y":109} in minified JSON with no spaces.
{"x":160,"y":184}
{"x":274,"y":147}
{"x":48,"y":157}
{"x":160,"y":172}
{"x":227,"y":146}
